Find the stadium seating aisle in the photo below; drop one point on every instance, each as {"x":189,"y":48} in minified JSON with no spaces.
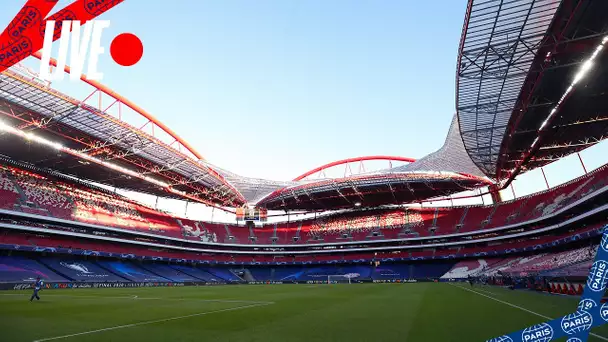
{"x":222,"y":273}
{"x":130,"y":271}
{"x":197,"y":273}
{"x":170,"y":273}
{"x":264,"y":234}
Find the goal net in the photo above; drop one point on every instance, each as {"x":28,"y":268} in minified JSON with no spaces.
{"x":342,"y":278}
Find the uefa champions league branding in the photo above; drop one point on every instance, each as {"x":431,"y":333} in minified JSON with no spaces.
{"x":574,"y":339}
{"x":76,"y":267}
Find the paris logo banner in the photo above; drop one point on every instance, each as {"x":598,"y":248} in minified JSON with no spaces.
{"x":575,"y":326}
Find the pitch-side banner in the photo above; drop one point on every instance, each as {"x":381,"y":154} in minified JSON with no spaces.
{"x":575,"y":326}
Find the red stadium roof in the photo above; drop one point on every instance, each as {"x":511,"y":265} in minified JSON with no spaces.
{"x":390,"y":159}
{"x":520,"y":104}
{"x":100,"y":147}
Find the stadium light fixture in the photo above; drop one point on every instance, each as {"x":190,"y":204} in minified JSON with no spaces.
{"x":59,"y":147}
{"x":582,"y":72}
{"x":357,"y":204}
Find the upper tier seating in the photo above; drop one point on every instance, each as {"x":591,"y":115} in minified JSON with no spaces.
{"x":17,"y":240}
{"x":543,"y":262}
{"x":8,"y":192}
{"x":27,"y":192}
{"x":580,"y":269}
{"x":465,"y":268}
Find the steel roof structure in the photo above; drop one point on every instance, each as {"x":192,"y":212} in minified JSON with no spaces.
{"x":253,"y":189}
{"x":451,"y":157}
{"x":516,"y":60}
{"x":370,"y":190}
{"x":499,"y":42}
{"x":563,"y":103}
{"x":40,"y":110}
{"x":521,"y":103}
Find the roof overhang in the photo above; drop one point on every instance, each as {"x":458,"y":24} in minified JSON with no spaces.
{"x":370,"y":190}
{"x":89,"y":135}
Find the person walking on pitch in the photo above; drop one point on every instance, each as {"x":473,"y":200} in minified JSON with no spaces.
{"x":37,"y":287}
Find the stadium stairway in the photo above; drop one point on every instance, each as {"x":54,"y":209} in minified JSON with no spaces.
{"x":195,"y":272}
{"x":244,"y":273}
{"x":461,"y":221}
{"x":274,"y":237}
{"x":229,"y":237}
{"x":168,"y":272}
{"x":130,"y":271}
{"x":11,"y":177}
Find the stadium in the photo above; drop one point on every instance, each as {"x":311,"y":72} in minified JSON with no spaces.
{"x":386,"y":253}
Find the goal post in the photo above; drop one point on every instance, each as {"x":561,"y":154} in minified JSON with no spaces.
{"x":341,"y":278}
{"x":336,"y":279}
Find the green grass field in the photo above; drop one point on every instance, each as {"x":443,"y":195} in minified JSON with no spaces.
{"x":358,"y":312}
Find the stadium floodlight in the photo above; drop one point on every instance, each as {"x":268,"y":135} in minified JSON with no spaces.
{"x":582,"y":72}
{"x":357,"y":204}
{"x":59,"y":147}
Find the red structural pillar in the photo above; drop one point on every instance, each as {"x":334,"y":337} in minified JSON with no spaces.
{"x":495,"y":193}
{"x":583,"y":164}
{"x":545,"y":177}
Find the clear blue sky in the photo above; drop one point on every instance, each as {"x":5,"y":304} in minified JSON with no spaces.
{"x":272,"y":88}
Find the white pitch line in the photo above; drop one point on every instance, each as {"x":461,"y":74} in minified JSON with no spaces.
{"x":520,"y":308}
{"x":148,"y":298}
{"x":148,"y":322}
{"x":488,"y":292}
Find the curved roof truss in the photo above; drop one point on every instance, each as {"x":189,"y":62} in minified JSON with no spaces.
{"x":499,"y":43}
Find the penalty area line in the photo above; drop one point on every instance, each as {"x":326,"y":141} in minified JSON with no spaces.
{"x":520,"y":308}
{"x":149,"y":322}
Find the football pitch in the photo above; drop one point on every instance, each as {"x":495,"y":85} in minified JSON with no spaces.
{"x":357,"y":312}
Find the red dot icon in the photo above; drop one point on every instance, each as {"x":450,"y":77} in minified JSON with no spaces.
{"x":126,"y":49}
